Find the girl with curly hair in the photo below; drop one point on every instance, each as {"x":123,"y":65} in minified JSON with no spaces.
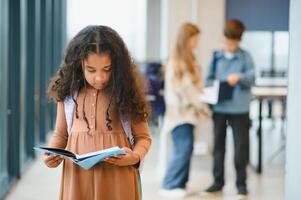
{"x":100,"y":78}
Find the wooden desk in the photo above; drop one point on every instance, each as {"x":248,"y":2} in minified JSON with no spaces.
{"x":261,"y":94}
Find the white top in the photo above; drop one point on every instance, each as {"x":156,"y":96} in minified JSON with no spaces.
{"x":182,"y":101}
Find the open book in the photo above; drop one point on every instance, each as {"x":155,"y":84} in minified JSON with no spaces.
{"x":217,"y":92}
{"x":87,"y":160}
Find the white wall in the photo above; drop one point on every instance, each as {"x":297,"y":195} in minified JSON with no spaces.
{"x":211,"y":19}
{"x":153,"y":27}
{"x":127,"y":17}
{"x":173,"y":14}
{"x":208,"y":15}
{"x":293,"y":143}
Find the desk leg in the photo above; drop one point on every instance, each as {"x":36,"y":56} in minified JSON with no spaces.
{"x":259,"y":134}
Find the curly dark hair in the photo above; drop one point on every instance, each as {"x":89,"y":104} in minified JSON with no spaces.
{"x":125,"y":85}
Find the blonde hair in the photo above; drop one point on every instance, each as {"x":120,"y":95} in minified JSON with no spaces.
{"x":182,"y":58}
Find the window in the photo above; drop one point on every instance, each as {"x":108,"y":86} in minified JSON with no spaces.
{"x":262,"y":44}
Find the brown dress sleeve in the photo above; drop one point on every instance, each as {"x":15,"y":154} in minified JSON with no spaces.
{"x":142,"y":137}
{"x":60,"y":135}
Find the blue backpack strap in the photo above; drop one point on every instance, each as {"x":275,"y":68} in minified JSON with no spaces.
{"x":126,"y":124}
{"x":69,"y":107}
{"x":214,"y":64}
{"x":140,"y":185}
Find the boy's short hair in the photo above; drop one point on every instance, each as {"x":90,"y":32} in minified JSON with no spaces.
{"x":234,"y":29}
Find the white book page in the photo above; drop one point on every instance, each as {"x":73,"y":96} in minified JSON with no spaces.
{"x":210,"y":93}
{"x":97,"y":152}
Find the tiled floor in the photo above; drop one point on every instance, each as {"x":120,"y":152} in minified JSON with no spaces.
{"x":39,"y":182}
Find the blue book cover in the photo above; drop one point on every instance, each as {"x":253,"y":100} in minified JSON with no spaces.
{"x":87,"y":160}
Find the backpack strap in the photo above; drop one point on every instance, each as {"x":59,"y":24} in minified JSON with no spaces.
{"x":126,"y":124}
{"x":214,"y":64}
{"x":69,"y":106}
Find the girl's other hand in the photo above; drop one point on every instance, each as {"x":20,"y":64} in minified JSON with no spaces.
{"x":130,"y":158}
{"x":52,"y":160}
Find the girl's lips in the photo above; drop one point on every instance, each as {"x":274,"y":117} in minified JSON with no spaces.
{"x":99,"y":85}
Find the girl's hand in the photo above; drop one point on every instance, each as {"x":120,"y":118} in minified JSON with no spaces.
{"x":52,"y":160}
{"x":130,"y":158}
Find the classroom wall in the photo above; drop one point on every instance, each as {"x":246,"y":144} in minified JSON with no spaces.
{"x":208,"y":15}
{"x":211,"y":18}
{"x":173,"y":14}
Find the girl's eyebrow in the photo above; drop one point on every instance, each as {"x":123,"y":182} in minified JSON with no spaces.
{"x":103,"y":67}
{"x":89,"y":66}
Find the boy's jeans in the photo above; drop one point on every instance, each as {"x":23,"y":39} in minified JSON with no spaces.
{"x":178,"y":168}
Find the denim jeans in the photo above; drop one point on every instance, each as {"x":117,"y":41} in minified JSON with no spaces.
{"x":178,"y":168}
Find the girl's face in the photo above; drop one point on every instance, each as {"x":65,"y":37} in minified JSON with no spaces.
{"x":193,"y":42}
{"x":97,"y":70}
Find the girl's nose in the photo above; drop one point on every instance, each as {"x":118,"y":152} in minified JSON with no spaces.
{"x":98,"y":78}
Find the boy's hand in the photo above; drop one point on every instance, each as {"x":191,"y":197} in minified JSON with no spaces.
{"x":52,"y":160}
{"x":130,"y":158}
{"x":233,"y":79}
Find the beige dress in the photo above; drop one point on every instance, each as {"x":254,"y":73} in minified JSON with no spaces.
{"x":104,"y":181}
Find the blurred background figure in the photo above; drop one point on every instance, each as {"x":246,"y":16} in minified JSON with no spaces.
{"x":183,"y":85}
{"x":155,"y":80}
{"x":235,"y":66}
